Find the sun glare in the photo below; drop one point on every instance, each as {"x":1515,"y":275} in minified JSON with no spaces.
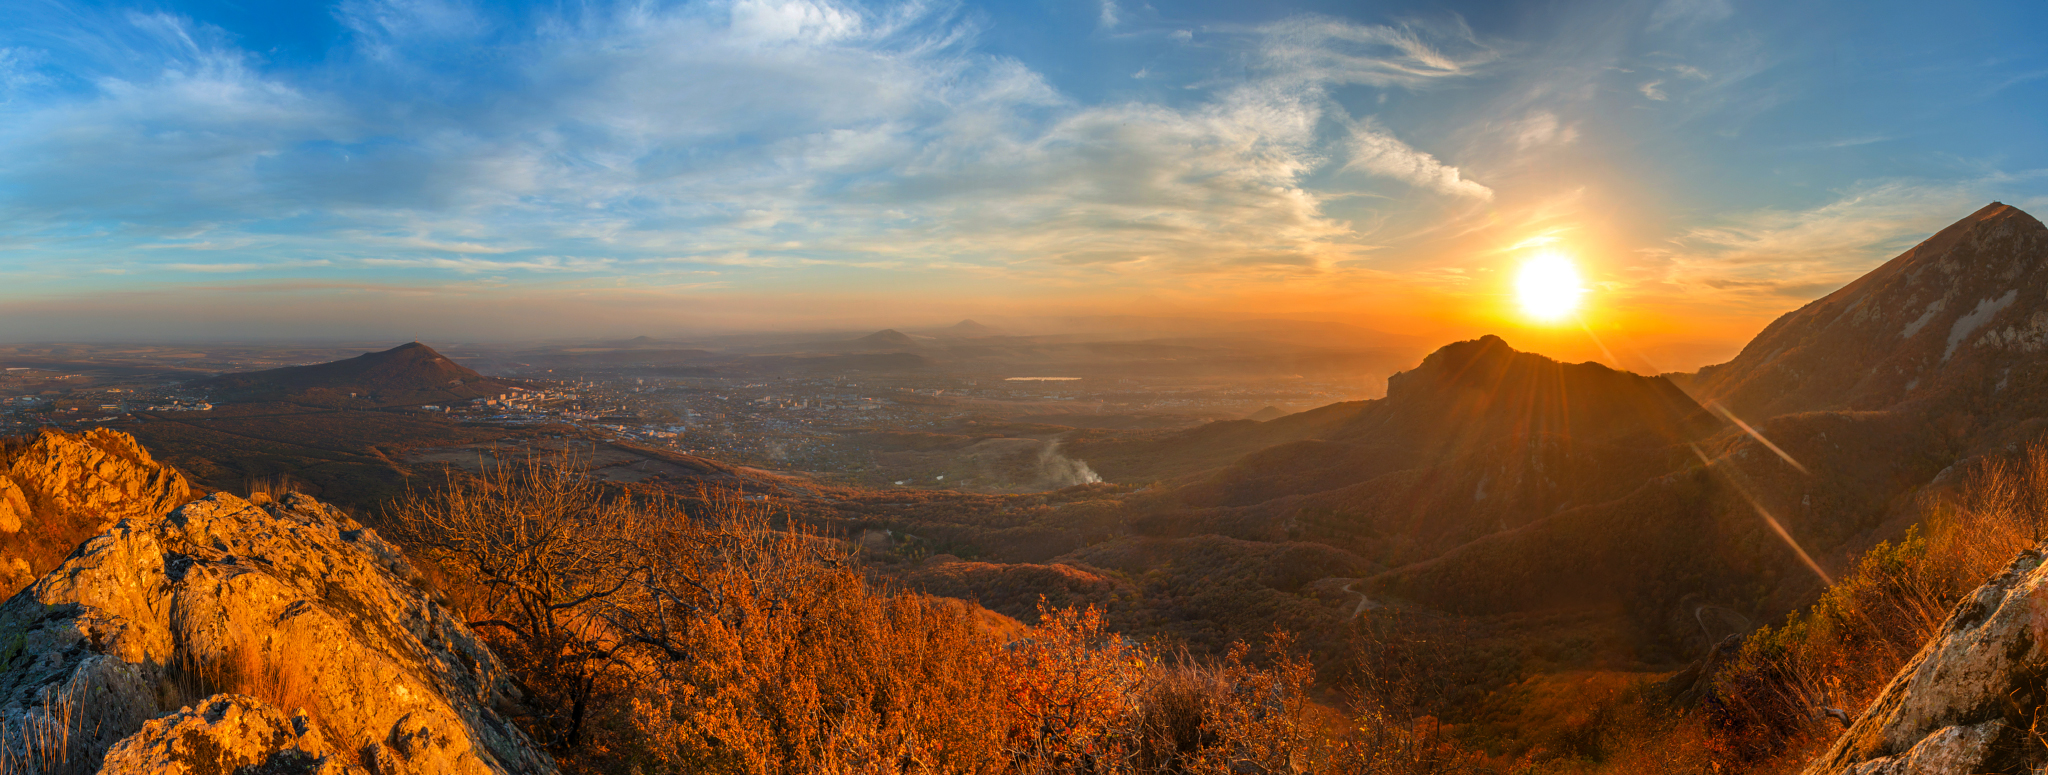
{"x":1548,"y":287}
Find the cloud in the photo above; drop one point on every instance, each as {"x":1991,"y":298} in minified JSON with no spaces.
{"x":799,"y":131}
{"x":478,"y":265}
{"x":1680,"y":12}
{"x":1802,"y":253}
{"x":226,"y":268}
{"x":1378,"y":152}
{"x":1651,"y":91}
{"x":1324,"y":50}
{"x":1109,"y":17}
{"x":1540,"y":128}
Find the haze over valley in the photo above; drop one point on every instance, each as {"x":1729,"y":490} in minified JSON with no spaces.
{"x":765,"y":387}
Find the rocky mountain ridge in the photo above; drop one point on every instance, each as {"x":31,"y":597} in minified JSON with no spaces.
{"x":57,"y":489}
{"x":285,"y":614}
{"x":1950,"y":323}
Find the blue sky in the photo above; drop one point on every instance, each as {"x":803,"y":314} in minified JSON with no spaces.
{"x":451,"y":169}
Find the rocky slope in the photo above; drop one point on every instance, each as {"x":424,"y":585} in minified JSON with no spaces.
{"x":57,"y":489}
{"x":1971,"y":700}
{"x":279,"y":636}
{"x":1956,"y":322}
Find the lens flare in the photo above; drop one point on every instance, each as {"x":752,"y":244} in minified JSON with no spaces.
{"x":1548,"y":287}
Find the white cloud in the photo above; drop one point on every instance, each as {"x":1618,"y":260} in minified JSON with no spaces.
{"x":477,"y":265}
{"x":1651,"y":91}
{"x":1803,"y":253}
{"x":1109,"y":17}
{"x":1377,"y":151}
{"x":225,"y":268}
{"x":1321,"y":50}
{"x":794,"y":131}
{"x":1540,"y":128}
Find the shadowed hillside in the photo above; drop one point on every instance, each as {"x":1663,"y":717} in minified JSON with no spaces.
{"x":407,"y":374}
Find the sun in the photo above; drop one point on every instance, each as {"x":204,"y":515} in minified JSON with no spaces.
{"x":1548,"y":287}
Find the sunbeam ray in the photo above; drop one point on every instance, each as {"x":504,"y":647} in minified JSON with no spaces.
{"x":1787,"y":456}
{"x":1776,"y":527}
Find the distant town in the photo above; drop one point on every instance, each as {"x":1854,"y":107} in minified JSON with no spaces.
{"x":791,"y":423}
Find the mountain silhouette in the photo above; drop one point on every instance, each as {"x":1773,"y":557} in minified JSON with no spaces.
{"x":411,"y":373}
{"x":1268,"y":413}
{"x":968,"y":329}
{"x":885,"y":340}
{"x":1477,"y":437}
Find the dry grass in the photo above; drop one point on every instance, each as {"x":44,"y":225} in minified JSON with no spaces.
{"x":1770,"y":708}
{"x":43,"y":741}
{"x":708,"y":635}
{"x":247,"y":670}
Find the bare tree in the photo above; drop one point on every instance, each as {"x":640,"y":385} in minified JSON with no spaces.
{"x":547,"y":550}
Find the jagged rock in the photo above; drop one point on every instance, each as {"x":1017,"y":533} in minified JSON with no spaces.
{"x":100,"y":471}
{"x":1966,"y":702}
{"x":289,"y":601}
{"x":227,"y":733}
{"x":13,"y":506}
{"x":60,"y":488}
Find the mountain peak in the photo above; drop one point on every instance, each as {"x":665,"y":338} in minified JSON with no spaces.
{"x":887,"y":337}
{"x":1488,"y":385}
{"x":409,"y":373}
{"x":970,"y":328}
{"x":1962,"y":313}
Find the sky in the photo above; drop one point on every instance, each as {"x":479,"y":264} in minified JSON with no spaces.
{"x":477,"y":171}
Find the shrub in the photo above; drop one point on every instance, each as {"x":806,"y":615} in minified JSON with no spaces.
{"x":707,"y":635}
{"x":1792,"y":688}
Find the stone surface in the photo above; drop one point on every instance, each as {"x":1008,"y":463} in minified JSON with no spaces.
{"x":100,"y":472}
{"x":59,"y":488}
{"x":227,"y":733}
{"x":288,"y":601}
{"x":1963,"y":705}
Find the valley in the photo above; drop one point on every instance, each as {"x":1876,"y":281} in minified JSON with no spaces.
{"x":1496,"y":534}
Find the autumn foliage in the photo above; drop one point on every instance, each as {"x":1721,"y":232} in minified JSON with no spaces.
{"x":708,"y":635}
{"x":1791,"y":688}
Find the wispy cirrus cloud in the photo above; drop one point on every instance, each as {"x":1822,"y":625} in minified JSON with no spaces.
{"x":1378,"y":152}
{"x":1773,"y":254}
{"x":229,"y":268}
{"x":1326,"y":50}
{"x":827,"y":132}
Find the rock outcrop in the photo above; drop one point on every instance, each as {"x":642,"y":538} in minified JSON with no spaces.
{"x":226,"y":733}
{"x":101,"y":472}
{"x":1968,"y":702}
{"x":57,"y":489}
{"x":134,"y":648}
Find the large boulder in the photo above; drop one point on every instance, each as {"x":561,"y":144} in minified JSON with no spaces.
{"x":1969,"y":701}
{"x":290,"y":603}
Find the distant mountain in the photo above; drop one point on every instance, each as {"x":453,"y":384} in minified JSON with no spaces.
{"x":411,"y":373}
{"x":1268,"y":413}
{"x":885,"y":340}
{"x":638,"y":341}
{"x":968,"y":329}
{"x":1963,"y":316}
